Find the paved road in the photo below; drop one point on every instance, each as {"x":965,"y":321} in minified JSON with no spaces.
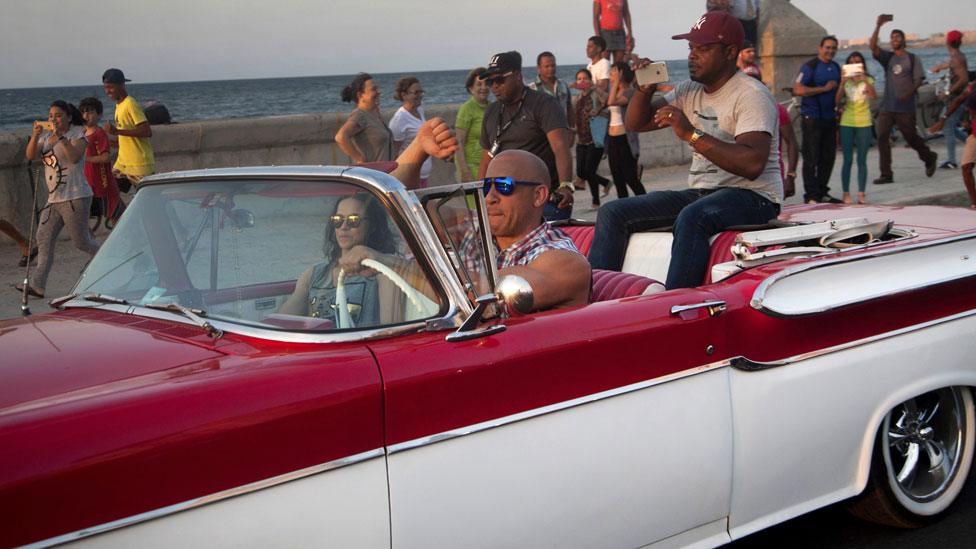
{"x":833,"y":527}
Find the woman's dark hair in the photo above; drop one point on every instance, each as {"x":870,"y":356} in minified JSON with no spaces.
{"x":475,"y":73}
{"x":403,"y":85}
{"x":864,"y":62}
{"x":379,"y":236}
{"x":586,"y":72}
{"x":74,"y":115}
{"x":91,"y":103}
{"x":626,"y":73}
{"x":350,"y":94}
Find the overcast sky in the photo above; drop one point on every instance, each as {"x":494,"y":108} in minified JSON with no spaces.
{"x":68,"y":42}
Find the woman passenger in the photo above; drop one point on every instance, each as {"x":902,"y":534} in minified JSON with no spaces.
{"x":365,"y":137}
{"x":357,"y":229}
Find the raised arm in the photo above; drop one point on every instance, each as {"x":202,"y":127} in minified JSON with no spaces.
{"x":434,"y":139}
{"x":641,"y":110}
{"x":873,"y":43}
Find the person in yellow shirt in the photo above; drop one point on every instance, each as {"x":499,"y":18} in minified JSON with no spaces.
{"x":136,"y":159}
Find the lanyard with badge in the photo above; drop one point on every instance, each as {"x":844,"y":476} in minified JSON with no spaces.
{"x":500,"y":129}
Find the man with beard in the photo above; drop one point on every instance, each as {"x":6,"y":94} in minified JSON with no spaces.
{"x":730,"y":121}
{"x":903,"y":77}
{"x":528,"y":120}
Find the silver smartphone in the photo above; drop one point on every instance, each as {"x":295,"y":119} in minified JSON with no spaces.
{"x":655,"y":73}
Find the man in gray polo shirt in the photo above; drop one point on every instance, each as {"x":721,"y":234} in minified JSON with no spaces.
{"x":903,"y":76}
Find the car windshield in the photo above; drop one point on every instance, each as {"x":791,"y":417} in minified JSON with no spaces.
{"x":293,"y":255}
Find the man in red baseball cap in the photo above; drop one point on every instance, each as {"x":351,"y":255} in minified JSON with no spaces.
{"x":958,"y":80}
{"x":730,"y":121}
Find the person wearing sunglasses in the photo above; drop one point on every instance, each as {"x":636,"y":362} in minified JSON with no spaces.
{"x":516,"y":187}
{"x":358,"y":228}
{"x":528,"y":120}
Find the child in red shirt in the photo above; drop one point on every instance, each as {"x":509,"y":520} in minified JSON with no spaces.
{"x":98,"y":163}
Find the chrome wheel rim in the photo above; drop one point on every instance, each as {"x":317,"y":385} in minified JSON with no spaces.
{"x":923,"y":444}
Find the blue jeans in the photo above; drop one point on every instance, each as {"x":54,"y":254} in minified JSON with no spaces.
{"x":855,"y":138}
{"x":952,"y":132}
{"x":696,"y":214}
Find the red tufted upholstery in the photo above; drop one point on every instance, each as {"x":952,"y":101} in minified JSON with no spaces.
{"x":614,"y":285}
{"x":582,"y":236}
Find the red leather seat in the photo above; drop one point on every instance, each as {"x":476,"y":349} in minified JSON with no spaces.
{"x":609,"y":285}
{"x":582,"y":236}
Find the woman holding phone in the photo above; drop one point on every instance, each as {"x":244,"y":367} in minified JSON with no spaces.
{"x":61,"y":146}
{"x":856,"y":89}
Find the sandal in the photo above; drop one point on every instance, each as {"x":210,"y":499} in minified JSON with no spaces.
{"x":30,"y":290}
{"x":24,"y":259}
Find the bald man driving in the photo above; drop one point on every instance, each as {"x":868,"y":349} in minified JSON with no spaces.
{"x":516,"y":191}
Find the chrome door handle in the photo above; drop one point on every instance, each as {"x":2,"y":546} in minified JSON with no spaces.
{"x":715,"y":308}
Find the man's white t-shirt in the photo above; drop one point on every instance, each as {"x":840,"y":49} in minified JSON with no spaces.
{"x":741,"y":105}
{"x":599,"y":70}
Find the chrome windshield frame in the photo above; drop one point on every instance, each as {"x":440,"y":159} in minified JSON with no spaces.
{"x":405,"y":209}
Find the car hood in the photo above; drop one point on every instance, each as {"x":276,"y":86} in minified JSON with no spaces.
{"x":44,"y":356}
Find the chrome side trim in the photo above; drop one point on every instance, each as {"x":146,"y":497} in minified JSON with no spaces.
{"x":747,"y":365}
{"x":212,"y":498}
{"x":559,"y":406}
{"x":760,"y":293}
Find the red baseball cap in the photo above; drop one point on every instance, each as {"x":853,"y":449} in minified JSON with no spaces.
{"x":715,"y":27}
{"x":953,"y":36}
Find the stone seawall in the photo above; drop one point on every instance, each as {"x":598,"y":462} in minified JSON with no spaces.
{"x":306,"y":139}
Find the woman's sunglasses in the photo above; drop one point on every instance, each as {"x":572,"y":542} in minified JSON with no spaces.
{"x":352,"y":220}
{"x":504,"y":185}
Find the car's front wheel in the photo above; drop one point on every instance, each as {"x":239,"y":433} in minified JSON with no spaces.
{"x":921,"y":461}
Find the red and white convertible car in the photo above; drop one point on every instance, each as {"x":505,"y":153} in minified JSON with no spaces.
{"x":170,"y":401}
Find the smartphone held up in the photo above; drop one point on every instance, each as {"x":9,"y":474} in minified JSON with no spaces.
{"x":654,"y":73}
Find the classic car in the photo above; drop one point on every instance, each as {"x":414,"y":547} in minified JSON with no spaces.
{"x":173,"y":399}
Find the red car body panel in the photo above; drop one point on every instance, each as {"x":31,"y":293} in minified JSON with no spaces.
{"x":154,"y":430}
{"x":432,"y":386}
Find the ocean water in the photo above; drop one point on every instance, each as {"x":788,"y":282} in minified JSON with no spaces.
{"x":188,"y":101}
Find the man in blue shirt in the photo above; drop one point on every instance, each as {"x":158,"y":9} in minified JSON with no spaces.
{"x":817,"y":84}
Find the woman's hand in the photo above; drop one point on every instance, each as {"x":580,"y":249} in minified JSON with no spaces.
{"x":36,"y":130}
{"x":351,"y":260}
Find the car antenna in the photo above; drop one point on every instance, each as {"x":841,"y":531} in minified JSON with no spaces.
{"x":24,"y":306}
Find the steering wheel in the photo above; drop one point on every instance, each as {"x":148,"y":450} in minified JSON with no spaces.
{"x":422,"y":305}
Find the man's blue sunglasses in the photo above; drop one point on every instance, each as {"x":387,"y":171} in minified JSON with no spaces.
{"x":504,"y":185}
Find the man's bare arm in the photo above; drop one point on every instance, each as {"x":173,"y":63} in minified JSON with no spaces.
{"x":640,"y":112}
{"x":959,"y":69}
{"x":559,"y":278}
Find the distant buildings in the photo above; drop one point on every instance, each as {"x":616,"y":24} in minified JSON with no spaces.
{"x":914,"y":40}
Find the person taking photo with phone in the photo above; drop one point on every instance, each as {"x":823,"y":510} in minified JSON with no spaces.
{"x":730,"y":122}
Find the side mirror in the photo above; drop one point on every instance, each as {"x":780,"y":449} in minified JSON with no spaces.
{"x":516,"y":293}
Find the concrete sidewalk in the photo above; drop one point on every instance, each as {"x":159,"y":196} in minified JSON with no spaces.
{"x":910,"y":187}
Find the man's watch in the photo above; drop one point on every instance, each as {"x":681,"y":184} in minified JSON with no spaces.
{"x":695,"y":136}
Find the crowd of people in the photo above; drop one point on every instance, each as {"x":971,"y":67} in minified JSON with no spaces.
{"x":738,"y":134}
